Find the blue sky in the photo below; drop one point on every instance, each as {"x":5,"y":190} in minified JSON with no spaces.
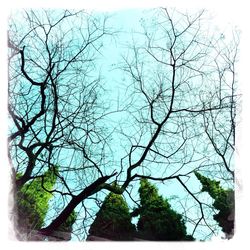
{"x":129,"y":21}
{"x":128,"y":24}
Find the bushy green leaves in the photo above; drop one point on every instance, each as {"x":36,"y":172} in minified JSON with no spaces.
{"x":223,"y":201}
{"x":33,"y":198}
{"x":33,"y":203}
{"x":158,"y":221}
{"x":113,"y":220}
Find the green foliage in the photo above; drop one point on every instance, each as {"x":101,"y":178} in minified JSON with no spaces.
{"x":158,"y":221}
{"x":32,"y":199}
{"x":223,"y":201}
{"x":113,"y":220}
{"x":18,"y":176}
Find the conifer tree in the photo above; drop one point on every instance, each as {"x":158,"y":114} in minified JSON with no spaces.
{"x":158,"y":221}
{"x":33,"y":204}
{"x":113,"y":220}
{"x":223,"y":201}
{"x":32,"y":200}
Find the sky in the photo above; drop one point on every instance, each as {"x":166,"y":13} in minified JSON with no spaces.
{"x":227,"y":11}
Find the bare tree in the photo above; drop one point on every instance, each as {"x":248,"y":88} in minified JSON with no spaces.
{"x":220,"y":125}
{"x":180,"y":116}
{"x":53,"y":100}
{"x":184,"y":82}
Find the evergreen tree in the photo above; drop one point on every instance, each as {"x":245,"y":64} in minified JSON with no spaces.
{"x":32,"y":200}
{"x":223,"y":201}
{"x":33,"y":204}
{"x":113,"y":220}
{"x":158,"y":221}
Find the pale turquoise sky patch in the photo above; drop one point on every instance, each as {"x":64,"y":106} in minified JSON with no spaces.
{"x":128,"y":23}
